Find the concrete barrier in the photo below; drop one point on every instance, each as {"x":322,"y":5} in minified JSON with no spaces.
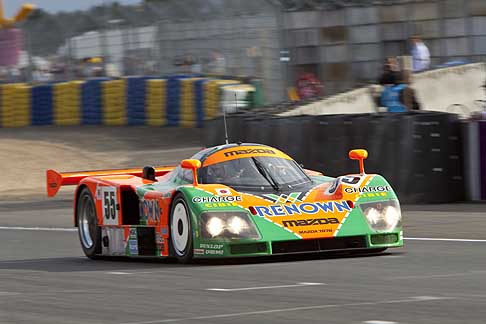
{"x":438,"y":90}
{"x":352,"y":102}
{"x":452,"y":89}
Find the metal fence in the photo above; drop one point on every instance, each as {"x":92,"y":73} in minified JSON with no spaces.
{"x":346,"y":45}
{"x":343,"y":43}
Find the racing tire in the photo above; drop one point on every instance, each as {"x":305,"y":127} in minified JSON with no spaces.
{"x":181,"y":245}
{"x":88,"y":230}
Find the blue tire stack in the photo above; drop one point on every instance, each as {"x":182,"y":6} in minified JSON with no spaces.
{"x":91,"y":102}
{"x":42,"y":105}
{"x":199,"y":102}
{"x":173,"y":101}
{"x":136,"y":100}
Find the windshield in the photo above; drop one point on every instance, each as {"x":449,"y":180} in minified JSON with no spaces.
{"x":255,"y":172}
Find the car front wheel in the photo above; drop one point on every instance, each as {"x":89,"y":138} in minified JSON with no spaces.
{"x":181,"y":230}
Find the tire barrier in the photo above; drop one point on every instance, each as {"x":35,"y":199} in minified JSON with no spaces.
{"x":67,"y":103}
{"x":418,"y":152}
{"x":15,"y":105}
{"x":114,"y":95}
{"x":91,"y":101}
{"x":179,"y":101}
{"x":135,"y":100}
{"x":474,"y":134}
{"x":156,"y":102}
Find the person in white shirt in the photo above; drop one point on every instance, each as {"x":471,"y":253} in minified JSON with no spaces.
{"x":420,"y":55}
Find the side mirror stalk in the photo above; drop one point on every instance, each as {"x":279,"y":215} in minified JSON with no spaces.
{"x":193,"y":165}
{"x":360,"y":155}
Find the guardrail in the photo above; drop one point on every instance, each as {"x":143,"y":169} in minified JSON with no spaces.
{"x":420,"y":153}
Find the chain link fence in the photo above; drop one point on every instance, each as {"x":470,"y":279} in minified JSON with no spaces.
{"x":343,"y":43}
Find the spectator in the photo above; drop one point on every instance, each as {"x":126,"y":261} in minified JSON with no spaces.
{"x":217,"y":63}
{"x":400,"y":97}
{"x":420,"y":54}
{"x":390,"y":73}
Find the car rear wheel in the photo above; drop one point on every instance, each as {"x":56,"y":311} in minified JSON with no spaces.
{"x":181,"y":230}
{"x":88,"y":229}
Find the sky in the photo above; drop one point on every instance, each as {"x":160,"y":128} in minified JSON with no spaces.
{"x":11,"y":6}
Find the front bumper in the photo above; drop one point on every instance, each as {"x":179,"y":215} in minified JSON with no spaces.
{"x":266,"y":248}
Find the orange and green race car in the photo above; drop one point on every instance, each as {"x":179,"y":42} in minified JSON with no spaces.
{"x":233,"y":200}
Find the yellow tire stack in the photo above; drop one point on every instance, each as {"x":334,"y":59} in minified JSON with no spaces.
{"x":67,"y":103}
{"x":114,"y":102}
{"x":212,"y":98}
{"x":188,"y":114}
{"x":156,"y":101}
{"x":15,"y":105}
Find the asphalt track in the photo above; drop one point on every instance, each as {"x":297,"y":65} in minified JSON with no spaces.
{"x":44,"y":277}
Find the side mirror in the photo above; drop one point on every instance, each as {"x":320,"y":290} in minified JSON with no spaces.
{"x":359,"y":155}
{"x":192,"y":164}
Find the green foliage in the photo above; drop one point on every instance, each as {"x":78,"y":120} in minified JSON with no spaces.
{"x":46,"y":32}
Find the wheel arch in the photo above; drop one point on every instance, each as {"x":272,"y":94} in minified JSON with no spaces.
{"x":79,"y":189}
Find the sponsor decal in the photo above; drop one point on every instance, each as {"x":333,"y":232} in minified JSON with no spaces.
{"x":199,"y":251}
{"x":213,"y":252}
{"x":219,"y":205}
{"x":249,"y":151}
{"x":164,"y":231}
{"x":210,"y":246}
{"x":159,"y":241}
{"x":133,"y":247}
{"x":133,"y":233}
{"x":350,"y":190}
{"x":372,"y":195}
{"x":310,"y":222}
{"x":223,"y":192}
{"x":283,"y":198}
{"x":216,"y":199}
{"x":150,"y":210}
{"x":303,"y":208}
{"x":314,"y":231}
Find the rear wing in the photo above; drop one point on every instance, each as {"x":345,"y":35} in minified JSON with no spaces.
{"x":55,"y":180}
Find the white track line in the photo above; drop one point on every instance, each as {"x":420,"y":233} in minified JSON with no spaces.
{"x":442,"y":239}
{"x":416,"y":299}
{"x":299,"y":284}
{"x":20,"y":228}
{"x":439,"y":276}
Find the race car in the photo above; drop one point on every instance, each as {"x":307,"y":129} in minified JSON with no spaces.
{"x":232,"y":200}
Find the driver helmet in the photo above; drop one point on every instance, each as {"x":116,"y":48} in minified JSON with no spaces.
{"x":218,"y":171}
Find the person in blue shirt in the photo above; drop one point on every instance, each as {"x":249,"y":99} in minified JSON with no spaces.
{"x":399,"y":97}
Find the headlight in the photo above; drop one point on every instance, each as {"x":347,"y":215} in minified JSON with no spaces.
{"x":227,"y":225}
{"x":215,"y":226}
{"x":382,"y":216}
{"x":236,"y":225}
